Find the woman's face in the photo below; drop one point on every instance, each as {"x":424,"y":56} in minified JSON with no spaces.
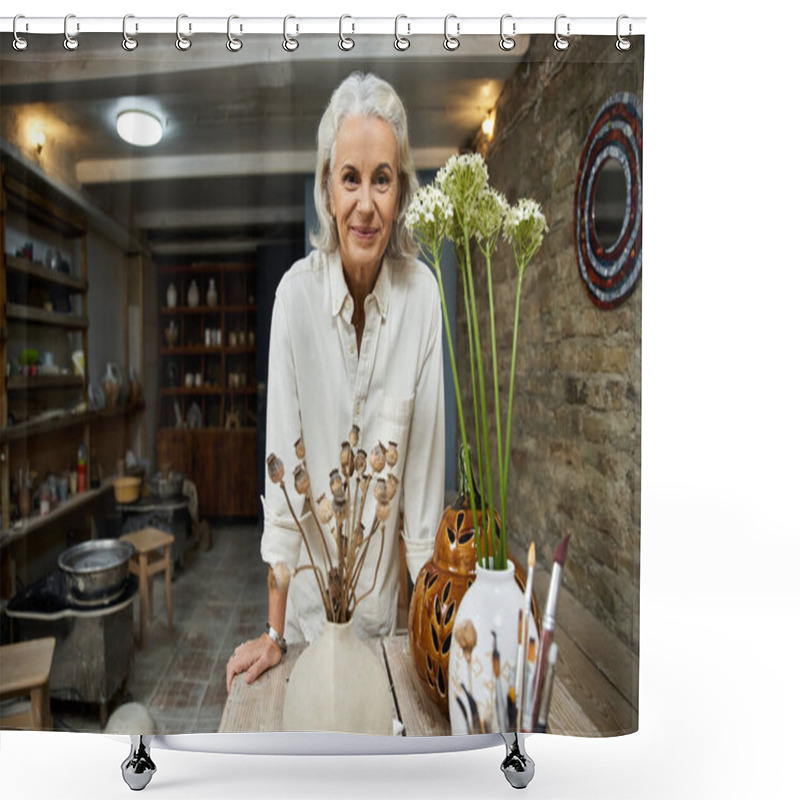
{"x":364,"y":191}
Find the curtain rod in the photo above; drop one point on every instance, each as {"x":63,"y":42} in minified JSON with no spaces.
{"x":452,"y":26}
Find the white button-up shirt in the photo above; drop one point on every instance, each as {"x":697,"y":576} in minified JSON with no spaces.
{"x":319,"y":386}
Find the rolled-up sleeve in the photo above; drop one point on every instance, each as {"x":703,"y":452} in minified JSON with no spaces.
{"x":280,"y":540}
{"x":423,"y":482}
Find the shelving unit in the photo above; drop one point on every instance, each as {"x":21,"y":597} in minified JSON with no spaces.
{"x":210,"y":366}
{"x":44,"y":410}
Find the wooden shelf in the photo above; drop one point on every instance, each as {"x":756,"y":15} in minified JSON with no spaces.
{"x":23,"y":383}
{"x":26,"y":430}
{"x":202,"y":350}
{"x":36,"y":521}
{"x":218,"y":309}
{"x":42,"y":274}
{"x":39,"y":316}
{"x":176,"y":391}
{"x":54,"y":215}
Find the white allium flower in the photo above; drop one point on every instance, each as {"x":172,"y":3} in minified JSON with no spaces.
{"x":490,"y":212}
{"x":524,"y":229}
{"x":427,"y":217}
{"x":462,"y":179}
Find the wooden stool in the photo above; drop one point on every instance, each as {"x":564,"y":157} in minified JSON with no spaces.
{"x":25,"y":669}
{"x":151,"y":541}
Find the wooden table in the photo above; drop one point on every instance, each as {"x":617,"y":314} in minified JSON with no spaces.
{"x":258,"y":707}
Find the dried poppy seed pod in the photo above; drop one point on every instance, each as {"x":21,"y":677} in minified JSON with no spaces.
{"x":301,"y":481}
{"x":274,"y":468}
{"x":340,"y":507}
{"x":324,"y":509}
{"x":466,"y":637}
{"x":382,"y":511}
{"x":391,"y":485}
{"x":352,"y":437}
{"x":377,"y":458}
{"x":300,"y":449}
{"x":337,"y":484}
{"x":381,"y":492}
{"x":391,"y":454}
{"x":361,"y":462}
{"x":347,"y":459}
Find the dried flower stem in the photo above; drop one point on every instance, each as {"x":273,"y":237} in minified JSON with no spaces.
{"x":377,"y":567}
{"x":363,"y":556}
{"x":308,"y":550}
{"x":310,"y":497}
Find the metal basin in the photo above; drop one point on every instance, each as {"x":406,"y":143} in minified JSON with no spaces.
{"x":96,"y":571}
{"x":165,"y":486}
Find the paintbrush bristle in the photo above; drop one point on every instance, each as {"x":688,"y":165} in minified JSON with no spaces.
{"x":531,"y":649}
{"x":561,"y":551}
{"x":532,"y":555}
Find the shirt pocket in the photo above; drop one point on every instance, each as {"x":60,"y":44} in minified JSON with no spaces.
{"x":394,"y":421}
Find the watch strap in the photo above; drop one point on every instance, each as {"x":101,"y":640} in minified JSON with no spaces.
{"x":276,"y":637}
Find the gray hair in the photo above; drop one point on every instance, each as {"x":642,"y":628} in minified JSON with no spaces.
{"x":369,"y":96}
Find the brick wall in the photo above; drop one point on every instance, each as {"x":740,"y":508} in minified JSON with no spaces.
{"x":577,"y":409}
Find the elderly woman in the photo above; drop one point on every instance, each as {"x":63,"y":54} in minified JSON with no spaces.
{"x":356,"y":340}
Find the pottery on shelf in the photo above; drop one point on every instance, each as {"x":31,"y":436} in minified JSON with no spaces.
{"x":171,"y":333}
{"x":211,"y":294}
{"x":193,"y":295}
{"x":111,"y":385}
{"x":172,"y":296}
{"x":338,"y":685}
{"x":483,"y":657}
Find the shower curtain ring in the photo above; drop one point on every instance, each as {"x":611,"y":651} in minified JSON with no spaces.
{"x":233,"y":44}
{"x":290,"y":44}
{"x":561,"y":42}
{"x":181,"y":42}
{"x":623,"y":43}
{"x":70,"y":42}
{"x":129,"y":43}
{"x":400,"y":42}
{"x":345,"y":42}
{"x":451,"y":42}
{"x":507,"y":42}
{"x":20,"y":42}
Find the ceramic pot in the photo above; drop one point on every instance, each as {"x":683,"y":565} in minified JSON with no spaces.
{"x":171,"y":333}
{"x":211,"y":294}
{"x":338,"y":685}
{"x":193,"y":295}
{"x":483,"y":657}
{"x":111,"y":385}
{"x":172,"y":296}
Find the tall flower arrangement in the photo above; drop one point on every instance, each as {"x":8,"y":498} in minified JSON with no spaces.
{"x":461,"y":207}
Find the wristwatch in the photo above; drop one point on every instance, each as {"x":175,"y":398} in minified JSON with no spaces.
{"x":276,"y":637}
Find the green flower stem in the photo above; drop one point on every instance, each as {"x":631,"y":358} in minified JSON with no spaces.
{"x":501,"y":555}
{"x":506,"y":465}
{"x":475,"y":405}
{"x":437,"y":270}
{"x":482,"y":395}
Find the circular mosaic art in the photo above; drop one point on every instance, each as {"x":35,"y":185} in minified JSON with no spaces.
{"x":610,"y":268}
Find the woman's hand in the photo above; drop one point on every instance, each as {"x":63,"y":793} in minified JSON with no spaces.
{"x":253,"y":658}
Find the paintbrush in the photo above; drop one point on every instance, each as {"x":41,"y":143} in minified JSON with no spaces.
{"x":547,"y":692}
{"x":548,"y":626}
{"x":499,"y":700}
{"x":530,"y":677}
{"x":523,"y":637}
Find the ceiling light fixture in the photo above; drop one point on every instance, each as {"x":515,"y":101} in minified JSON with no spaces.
{"x":139,"y":128}
{"x":488,"y":125}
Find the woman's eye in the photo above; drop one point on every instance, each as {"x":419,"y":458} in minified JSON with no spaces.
{"x":350,"y":179}
{"x":382,"y":181}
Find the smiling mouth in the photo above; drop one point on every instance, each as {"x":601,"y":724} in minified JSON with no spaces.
{"x":364,"y":233}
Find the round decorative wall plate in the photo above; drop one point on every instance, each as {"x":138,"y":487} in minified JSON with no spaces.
{"x":608,"y":202}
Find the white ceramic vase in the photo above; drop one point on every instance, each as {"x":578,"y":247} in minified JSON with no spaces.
{"x":211,"y":294}
{"x":338,"y":685}
{"x":172,"y":296}
{"x":480,"y":676}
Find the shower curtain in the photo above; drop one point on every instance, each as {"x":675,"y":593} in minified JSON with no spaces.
{"x":140,"y":331}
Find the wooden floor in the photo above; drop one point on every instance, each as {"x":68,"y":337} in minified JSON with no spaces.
{"x":599,"y":672}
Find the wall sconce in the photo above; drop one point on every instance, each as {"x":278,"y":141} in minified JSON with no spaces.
{"x":38,"y":140}
{"x":487,"y":126}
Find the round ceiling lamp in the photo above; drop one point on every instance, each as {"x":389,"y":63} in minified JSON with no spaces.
{"x":139,"y":128}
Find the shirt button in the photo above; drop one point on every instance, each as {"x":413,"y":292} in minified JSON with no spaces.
{"x":348,"y":304}
{"x":352,"y":348}
{"x":358,"y":408}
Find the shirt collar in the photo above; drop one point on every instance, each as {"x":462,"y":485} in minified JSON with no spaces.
{"x":340,"y":292}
